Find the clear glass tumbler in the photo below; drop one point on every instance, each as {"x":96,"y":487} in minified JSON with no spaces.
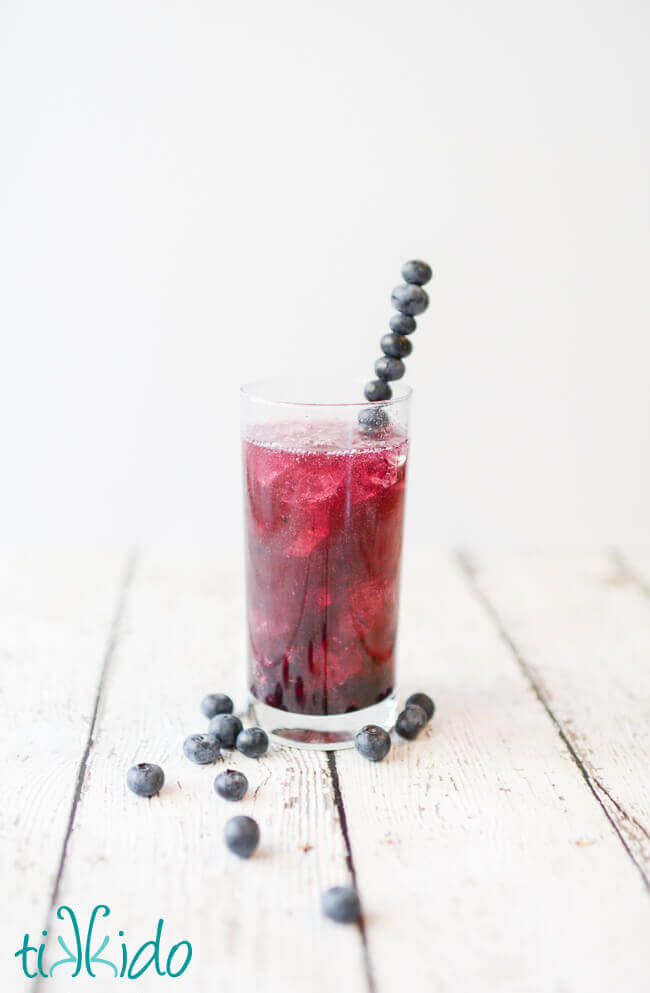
{"x":324,"y":508}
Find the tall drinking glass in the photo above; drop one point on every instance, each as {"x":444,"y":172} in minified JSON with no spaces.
{"x":324,"y":507}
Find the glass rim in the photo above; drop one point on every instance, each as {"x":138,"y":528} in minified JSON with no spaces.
{"x":253,"y":392}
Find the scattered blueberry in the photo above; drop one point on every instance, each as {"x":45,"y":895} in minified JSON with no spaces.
{"x":402,"y":324}
{"x":416,"y":272}
{"x":201,"y":748}
{"x":341,"y":904}
{"x":409,"y":299}
{"x":424,"y":701}
{"x":411,"y":721}
{"x":396,"y":345}
{"x":372,"y":742}
{"x":225,"y":727}
{"x":231,"y":785}
{"x":387,"y":368}
{"x":145,"y":779}
{"x":373,"y":420}
{"x":216,"y":703}
{"x":252,"y":742}
{"x":377,"y":389}
{"x":242,"y":836}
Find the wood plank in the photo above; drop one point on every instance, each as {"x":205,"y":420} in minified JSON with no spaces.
{"x":253,"y":925}
{"x":56,"y":613}
{"x":483,"y":859}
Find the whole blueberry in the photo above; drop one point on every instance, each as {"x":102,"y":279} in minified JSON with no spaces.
{"x":216,"y":703}
{"x":387,"y":368}
{"x":252,"y":742}
{"x":377,"y":389}
{"x":145,"y":779}
{"x":416,"y":272}
{"x":396,"y":345}
{"x":373,"y":420}
{"x":242,"y":836}
{"x":372,"y":742}
{"x":225,"y":727}
{"x":402,"y":324}
{"x":201,"y":748}
{"x":341,"y":904}
{"x":411,"y":721}
{"x":409,"y":299}
{"x":231,"y":785}
{"x":424,"y":701}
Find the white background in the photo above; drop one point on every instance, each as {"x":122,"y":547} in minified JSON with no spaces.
{"x":194,"y":194}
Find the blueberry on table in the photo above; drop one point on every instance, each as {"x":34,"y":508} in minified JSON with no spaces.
{"x":242,"y":836}
{"x":373,"y":420}
{"x":410,"y":722}
{"x":225,"y":727}
{"x":231,"y":784}
{"x":402,"y":324}
{"x":372,"y":742}
{"x":377,"y":389}
{"x":424,"y":701}
{"x":216,"y":703}
{"x":252,"y":742}
{"x":201,"y":748}
{"x":145,"y":779}
{"x":396,"y":346}
{"x":416,"y":272}
{"x":388,"y":369}
{"x":341,"y":904}
{"x":409,"y":299}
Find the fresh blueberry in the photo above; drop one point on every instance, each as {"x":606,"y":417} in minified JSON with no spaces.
{"x":402,"y":324}
{"x":373,"y":420}
{"x":201,"y":748}
{"x":231,"y":785}
{"x":216,"y":703}
{"x":387,"y":368}
{"x":252,"y":742}
{"x":424,"y":701}
{"x":416,"y":272}
{"x":242,"y":836}
{"x":396,"y":345}
{"x":411,"y":721}
{"x":145,"y":779}
{"x":409,"y":299}
{"x":341,"y":904}
{"x":377,"y":389}
{"x":225,"y":727}
{"x":372,"y":742}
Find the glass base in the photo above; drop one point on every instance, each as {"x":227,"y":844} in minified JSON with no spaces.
{"x":321,"y":733}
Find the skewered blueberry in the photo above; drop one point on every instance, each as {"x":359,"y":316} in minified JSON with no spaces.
{"x":409,"y":299}
{"x":387,"y":368}
{"x":216,"y":703}
{"x":377,"y":389}
{"x":225,"y":727}
{"x":145,"y":779}
{"x":416,"y":272}
{"x":201,"y":748}
{"x":252,"y":742}
{"x":411,"y":721}
{"x":372,"y":742}
{"x":396,"y":345}
{"x":373,"y":420}
{"x":242,"y":836}
{"x":231,"y":784}
{"x":424,"y":701}
{"x":341,"y":904}
{"x":402,"y":323}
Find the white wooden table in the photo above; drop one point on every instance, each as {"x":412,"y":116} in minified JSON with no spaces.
{"x":508,"y":849}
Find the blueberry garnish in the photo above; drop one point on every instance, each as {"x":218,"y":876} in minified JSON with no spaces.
{"x":145,"y":779}
{"x":225,"y":727}
{"x":396,"y":346}
{"x":373,"y":420}
{"x":216,"y":703}
{"x":402,"y":324}
{"x":242,"y":836}
{"x":411,"y":721}
{"x":372,"y":742}
{"x":387,"y":368}
{"x":201,"y":748}
{"x":424,"y":701}
{"x":416,"y":272}
{"x":341,"y":904}
{"x":252,"y":742}
{"x":231,"y":784}
{"x":377,"y":389}
{"x":409,"y":299}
